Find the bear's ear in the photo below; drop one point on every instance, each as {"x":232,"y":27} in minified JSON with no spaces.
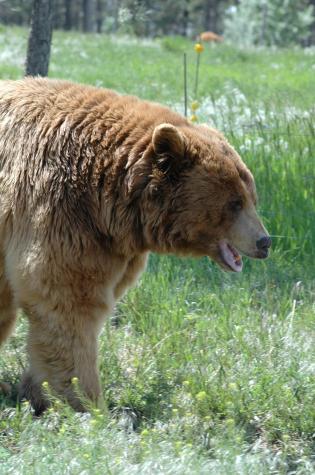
{"x":168,"y":140}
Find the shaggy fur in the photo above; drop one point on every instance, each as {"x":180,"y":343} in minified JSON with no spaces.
{"x":90,"y":182}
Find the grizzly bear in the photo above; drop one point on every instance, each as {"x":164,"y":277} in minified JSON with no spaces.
{"x":90,"y":182}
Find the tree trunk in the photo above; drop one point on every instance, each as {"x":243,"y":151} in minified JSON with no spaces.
{"x":99,"y":16}
{"x":68,"y":14}
{"x":38,"y":50}
{"x":311,"y":40}
{"x":88,"y":15}
{"x":263,"y":24}
{"x":116,"y":16}
{"x":211,"y":15}
{"x":185,"y":22}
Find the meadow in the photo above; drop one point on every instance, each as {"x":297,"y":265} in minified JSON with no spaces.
{"x":202,"y":372}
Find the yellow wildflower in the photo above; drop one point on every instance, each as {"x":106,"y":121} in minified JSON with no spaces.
{"x":194,"y":105}
{"x":199,"y":48}
{"x":193,"y":118}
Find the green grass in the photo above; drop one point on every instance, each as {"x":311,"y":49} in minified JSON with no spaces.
{"x":202,"y":372}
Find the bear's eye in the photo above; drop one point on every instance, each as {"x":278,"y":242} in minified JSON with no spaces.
{"x":236,"y":205}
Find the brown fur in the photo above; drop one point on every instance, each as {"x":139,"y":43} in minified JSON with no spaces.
{"x":90,"y":182}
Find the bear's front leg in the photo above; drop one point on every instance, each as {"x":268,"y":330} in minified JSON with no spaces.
{"x":62,"y":347}
{"x":66,"y":296}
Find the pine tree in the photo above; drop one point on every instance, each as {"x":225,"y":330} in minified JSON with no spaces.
{"x":38,"y":51}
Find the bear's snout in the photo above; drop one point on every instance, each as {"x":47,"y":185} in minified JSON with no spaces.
{"x":263,"y":244}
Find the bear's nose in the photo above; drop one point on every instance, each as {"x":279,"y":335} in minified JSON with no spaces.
{"x":263,"y":243}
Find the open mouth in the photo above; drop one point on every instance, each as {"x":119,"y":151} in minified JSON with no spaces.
{"x":230,"y":256}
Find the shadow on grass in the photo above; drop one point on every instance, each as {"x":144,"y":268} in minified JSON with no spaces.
{"x":9,"y":394}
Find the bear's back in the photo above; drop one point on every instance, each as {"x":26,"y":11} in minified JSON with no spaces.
{"x":64,"y":147}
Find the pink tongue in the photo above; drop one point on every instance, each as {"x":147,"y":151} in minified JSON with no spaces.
{"x":232,"y":259}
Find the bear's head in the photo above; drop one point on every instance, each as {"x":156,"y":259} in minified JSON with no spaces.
{"x":197,"y":197}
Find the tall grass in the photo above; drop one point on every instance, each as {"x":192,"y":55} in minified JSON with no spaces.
{"x":202,"y":372}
